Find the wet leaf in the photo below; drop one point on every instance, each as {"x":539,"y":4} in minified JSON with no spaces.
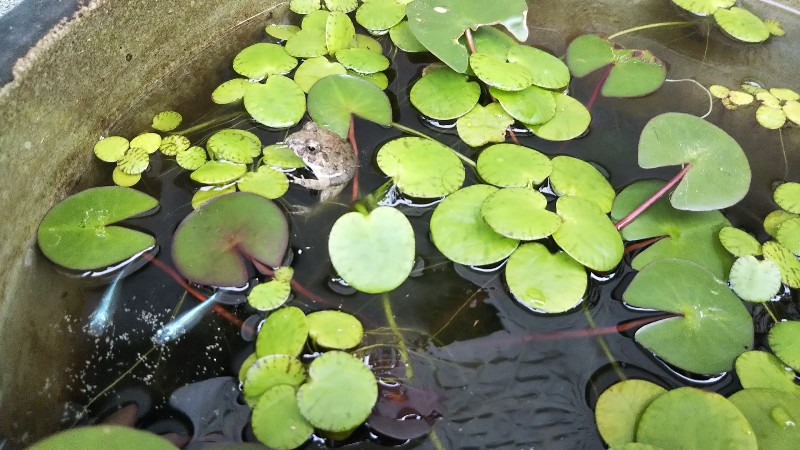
{"x":261,"y":60}
{"x":266,"y":182}
{"x":167,"y":120}
{"x":334,"y":98}
{"x":421,"y":167}
{"x":738,"y":242}
{"x":783,"y":339}
{"x":444,"y":94}
{"x":758,"y":369}
{"x":236,"y":146}
{"x":192,"y":158}
{"x":218,"y":172}
{"x":620,"y":407}
{"x":380,"y":14}
{"x":277,"y":421}
{"x":284,"y":332}
{"x":570,"y":121}
{"x":173,"y":144}
{"x":754,"y":280}
{"x":362,"y":60}
{"x":482,"y":125}
{"x":510,"y":165}
{"x":230,"y":91}
{"x":787,"y":196}
{"x":588,"y":53}
{"x":572,"y":176}
{"x":548,"y":71}
{"x":308,"y":43}
{"x":315,"y":69}
{"x":789,"y":265}
{"x":334,"y":329}
{"x":704,"y":7}
{"x":270,"y":371}
{"x":587,"y":234}
{"x":104,"y":436}
{"x":279,"y":103}
{"x":111,"y":149}
{"x":519,"y":213}
{"x":741,"y":24}
{"x":772,"y":414}
{"x":271,"y":294}
{"x":545,"y":282}
{"x":532,"y":105}
{"x":404,"y":39}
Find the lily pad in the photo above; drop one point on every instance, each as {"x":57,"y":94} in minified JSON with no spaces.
{"x":308,"y":43}
{"x":720,"y":173}
{"x":519,"y":213}
{"x":266,"y":182}
{"x":754,"y":280}
{"x":230,"y":91}
{"x":758,"y":369}
{"x":284,"y":332}
{"x":277,"y":421}
{"x":620,"y":407}
{"x":791,"y":110}
{"x":775,"y":219}
{"x":340,"y":394}
{"x":789,"y":265}
{"x":344,"y":6}
{"x":510,"y":165}
{"x":532,"y":105}
{"x":362,"y":60}
{"x":339,"y":32}
{"x":304,"y":6}
{"x":369,"y":43}
{"x":218,"y":172}
{"x":713,"y":328}
{"x":460,"y":233}
{"x":404,"y":39}
{"x":212,"y":244}
{"x":548,"y":71}
{"x":281,"y":156}
{"x":380,"y":14}
{"x":271,"y":294}
{"x":111,"y":149}
{"x":167,"y":120}
{"x":788,"y":235}
{"x":499,"y":73}
{"x":134,"y":161}
{"x":570,"y":121}
{"x":545,"y":282}
{"x":704,"y":7}
{"x":192,"y":158}
{"x":104,"y":436}
{"x":738,"y":242}
{"x":237,"y":146}
{"x":484,"y":124}
{"x":261,"y":60}
{"x":587,"y":53}
{"x":173,"y":144}
{"x":281,"y":31}
{"x":121,"y":178}
{"x":206,"y":193}
{"x":334,"y":98}
{"x":787,"y":196}
{"x":715,"y":424}
{"x":635,"y":73}
{"x":334,"y":329}
{"x":444,"y":94}
{"x":315,"y":69}
{"x":372,"y":252}
{"x":770,"y":117}
{"x":270,"y":371}
{"x":491,"y":40}
{"x":741,"y":24}
{"x":772,"y":414}
{"x":148,"y":142}
{"x":421,"y":167}
{"x":278,"y":103}
{"x":438,"y":24}
{"x":783,"y":339}
{"x":77,"y":233}
{"x":572,"y":176}
{"x":587,"y":234}
{"x":379,"y":79}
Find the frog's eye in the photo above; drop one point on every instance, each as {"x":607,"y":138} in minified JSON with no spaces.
{"x":311,"y":147}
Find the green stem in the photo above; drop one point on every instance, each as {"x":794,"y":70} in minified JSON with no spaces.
{"x":601,"y":341}
{"x":771,"y":314}
{"x":437,"y":443}
{"x":208,"y":123}
{"x":425,"y":136}
{"x":387,"y":310}
{"x":648,"y":26}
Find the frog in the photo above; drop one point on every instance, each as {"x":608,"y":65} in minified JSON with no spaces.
{"x":329,"y":157}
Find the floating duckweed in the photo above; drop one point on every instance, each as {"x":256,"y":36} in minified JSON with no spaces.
{"x":314,"y":69}
{"x":174,"y":144}
{"x":270,"y":371}
{"x":234,"y":145}
{"x":280,"y":31}
{"x":570,"y":121}
{"x":123,"y":179}
{"x":484,"y":124}
{"x":282,"y":157}
{"x":755,"y":281}
{"x":739,"y":98}
{"x":404,"y":39}
{"x":617,"y":425}
{"x":509,"y":165}
{"x":532,"y":105}
{"x":379,"y":79}
{"x":738,"y":242}
{"x":548,"y":71}
{"x":111,"y":149}
{"x":519,"y":213}
{"x":261,"y":60}
{"x":207,"y":193}
{"x":134,"y":161}
{"x":444,"y":94}
{"x":266,"y":182}
{"x":218,"y":172}
{"x":339,"y":32}
{"x":230,"y":91}
{"x":575,"y":177}
{"x":719,"y":91}
{"x":499,"y":73}
{"x":334,"y":329}
{"x":148,"y":142}
{"x":741,"y":24}
{"x":362,"y":60}
{"x":167,"y":121}
{"x":284,"y":332}
{"x":380,"y":14}
{"x":787,"y":196}
{"x":192,"y":158}
{"x":770,"y":117}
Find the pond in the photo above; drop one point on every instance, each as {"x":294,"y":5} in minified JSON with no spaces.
{"x":495,"y":313}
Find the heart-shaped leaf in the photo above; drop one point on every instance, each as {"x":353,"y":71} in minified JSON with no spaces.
{"x":617,"y":425}
{"x":587,"y":234}
{"x":570,"y":120}
{"x":380,"y":14}
{"x":545,"y":282}
{"x":548,"y":71}
{"x":334,"y":329}
{"x":759,"y":369}
{"x":783,"y":339}
{"x":635,"y":73}
{"x":588,"y":53}
{"x":519,"y":213}
{"x":284,"y":332}
{"x":421,"y":167}
{"x":754,"y":280}
{"x":444,"y":94}
{"x":484,"y":124}
{"x":738,"y":242}
{"x":315,"y":69}
{"x":532,"y":105}
{"x":772,"y":414}
{"x":334,"y":98}
{"x":741,"y":24}
{"x":278,"y":103}
{"x":510,"y":165}
{"x":270,"y":371}
{"x":261,"y":60}
{"x":575,"y":177}
{"x":277,"y":421}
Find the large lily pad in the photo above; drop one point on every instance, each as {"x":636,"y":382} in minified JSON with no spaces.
{"x":421,"y":167}
{"x":720,"y":173}
{"x":587,"y":234}
{"x":78,"y":235}
{"x":713,"y":328}
{"x":278,"y":103}
{"x":772,"y":414}
{"x":444,"y":94}
{"x":334,"y":98}
{"x":620,"y":407}
{"x":741,"y":24}
{"x":212,"y":244}
{"x":543,"y":281}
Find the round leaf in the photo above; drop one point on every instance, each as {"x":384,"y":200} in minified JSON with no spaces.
{"x":587,"y":234}
{"x":230,"y":91}
{"x":572,"y":176}
{"x":314,"y":69}
{"x":236,"y":146}
{"x":192,"y":158}
{"x":104,"y":436}
{"x":620,"y":407}
{"x":788,"y":235}
{"x":444,"y":94}
{"x":280,"y":31}
{"x":334,"y":98}
{"x":532,"y":105}
{"x":570,"y":121}
{"x":308,"y":43}
{"x":496,"y":72}
{"x":704,"y":7}
{"x":754,"y":280}
{"x":284,"y":332}
{"x":519,"y":213}
{"x":548,"y":71}
{"x":279,"y":103}
{"x":775,"y":219}
{"x":121,"y":178}
{"x":173,"y":144}
{"x":304,"y":6}
{"x":282,"y":157}
{"x":266,"y":182}
{"x":404,"y":39}
{"x":339,"y":32}
{"x":134,"y":161}
{"x":380,"y":14}
{"x":545,"y":282}
{"x":635,"y":73}
{"x":421,"y":167}
{"x":270,"y":295}
{"x":334,"y":329}
{"x":270,"y":371}
{"x":588,"y":53}
{"x":362,"y":60}
{"x":484,"y":124}
{"x":757,"y":369}
{"x":148,"y":142}
{"x":783,"y":339}
{"x":167,"y":120}
{"x":770,"y":117}
{"x":510,"y":165}
{"x":277,"y":421}
{"x":206,"y":193}
{"x":111,"y":149}
{"x":741,"y":24}
{"x":786,"y":261}
{"x":787,"y":196}
{"x":738,"y":242}
{"x":772,"y":414}
{"x":218,"y":172}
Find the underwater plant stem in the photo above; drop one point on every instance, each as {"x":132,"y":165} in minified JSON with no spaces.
{"x":208,"y":123}
{"x":771,"y":314}
{"x":437,"y":443}
{"x":425,"y":136}
{"x":470,"y":41}
{"x":604,"y":345}
{"x":351,"y":136}
{"x":640,"y":244}
{"x":649,"y":26}
{"x":653,"y":198}
{"x":597,"y":87}
{"x":387,"y":310}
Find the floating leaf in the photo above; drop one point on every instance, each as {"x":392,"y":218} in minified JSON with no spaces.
{"x":212,"y":244}
{"x":545,"y":282}
{"x":230,"y":91}
{"x":499,"y":73}
{"x":283,"y":157}
{"x":738,"y":242}
{"x":740,"y":98}
{"x":754,"y":280}
{"x":379,"y":79}
{"x":484,"y":124}
{"x":772,"y":414}
{"x":334,"y":98}
{"x":279,"y":103}
{"x":308,"y":43}
{"x":587,"y":234}
{"x":404,"y":39}
{"x":369,"y":43}
{"x":218,"y":172}
{"x":783,"y":339}
{"x":421,"y":167}
{"x":277,"y":421}
{"x":719,"y":91}
{"x":340,"y":393}
{"x":121,"y":178}
{"x":148,"y":142}
{"x":789,"y":265}
{"x":206,"y":193}
{"x":380,"y":14}
{"x":372,"y":252}
{"x":261,"y":60}
{"x":770,"y":117}
{"x":510,"y":165}
{"x":362,"y":60}
{"x":266,"y":182}
{"x":344,"y":6}
{"x":444,"y":94}
{"x":270,"y":371}
{"x":272,"y":294}
{"x":247,"y":364}
{"x":281,"y":31}
{"x":572,"y":176}
{"x":192,"y":158}
{"x":787,"y":196}
{"x":635,"y":73}
{"x":532,"y":105}
{"x":587,"y":53}
{"x":173,"y":144}
{"x":741,"y":24}
{"x":167,"y":120}
{"x":757,"y":369}
{"x":720,"y":173}
{"x":339,"y":32}
{"x":519,"y":213}
{"x":315,"y":21}
{"x":616,"y":424}
{"x":775,"y":219}
{"x":548,"y":71}
{"x":104,"y":436}
{"x":774,"y":27}
{"x":76,"y":233}
{"x":713,"y":327}
{"x":704,"y":7}
{"x":791,"y":110}
{"x":459,"y":232}
{"x":284,"y":332}
{"x":788,"y":235}
{"x":570,"y":121}
{"x":438,"y":24}
{"x":134,"y":161}
{"x":111,"y":149}
{"x":304,"y":6}
{"x":237,"y":146}
{"x":715,"y":422}
{"x":314,"y":69}
{"x":334,"y":329}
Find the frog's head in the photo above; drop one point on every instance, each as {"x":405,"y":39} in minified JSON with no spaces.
{"x":305,"y":143}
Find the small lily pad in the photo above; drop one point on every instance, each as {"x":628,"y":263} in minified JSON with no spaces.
{"x":789,"y":265}
{"x":167,"y":120}
{"x":308,"y":43}
{"x":379,"y":79}
{"x":444,"y":94}
{"x":104,"y":436}
{"x":304,"y":6}
{"x":284,"y":332}
{"x":772,"y":414}
{"x":206,"y":193}
{"x":372,"y":252}
{"x":362,"y":60}
{"x":192,"y":158}
{"x":340,"y":393}
{"x":421,"y":167}
{"x":617,"y":424}
{"x":572,"y":176}
{"x":148,"y":142}
{"x":588,"y":53}
{"x":587,"y":234}
{"x":791,"y":110}
{"x":111,"y":149}
{"x":247,"y":364}
{"x":334,"y":329}
{"x":314,"y":69}
{"x":279,"y":103}
{"x":460,"y":233}
{"x":783,"y":339}
{"x":519,"y":213}
{"x":774,"y":220}
{"x":404,"y":39}
{"x":134,"y":161}
{"x":484,"y":124}
{"x":261,"y":60}
{"x":334,"y":98}
{"x":788,"y":235}
{"x":270,"y":371}
{"x":236,"y":146}
{"x":369,"y":43}
{"x":380,"y":14}
{"x":510,"y":165}
{"x":77,"y":232}
{"x":545,"y":282}
{"x":499,"y":73}
{"x":218,"y":172}
{"x":277,"y":421}
{"x":719,"y":91}
{"x":787,"y":196}
{"x":704,"y":7}
{"x":491,"y":40}
{"x":741,"y":24}
{"x":570,"y":121}
{"x":266,"y":182}
{"x":281,"y":31}
{"x":339,"y":32}
{"x":738,"y":242}
{"x":770,"y":117}
{"x":230,"y":91}
{"x":121,"y":178}
{"x":635,"y":73}
{"x":173,"y":144}
{"x":754,"y":280}
{"x":532,"y":105}
{"x":271,"y":294}
{"x":739,"y":98}
{"x":758,"y":369}
{"x":344,"y":6}
{"x":283,"y":157}
{"x":548,"y":71}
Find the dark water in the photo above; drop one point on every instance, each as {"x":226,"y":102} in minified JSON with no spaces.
{"x":471,"y":346}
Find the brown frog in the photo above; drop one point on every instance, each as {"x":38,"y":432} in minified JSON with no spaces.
{"x":329,"y":157}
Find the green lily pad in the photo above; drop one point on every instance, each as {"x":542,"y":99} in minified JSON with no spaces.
{"x":148,"y":142}
{"x":362,"y":60}
{"x":438,"y":24}
{"x":261,"y":60}
{"x":572,"y":176}
{"x":484,"y":124}
{"x":167,"y":121}
{"x":421,"y":167}
{"x":460,"y":233}
{"x":284,"y":332}
{"x":230,"y":91}
{"x":379,"y":79}
{"x":192,"y":158}
{"x":620,"y":407}
{"x":266,"y":182}
{"x":444,"y":94}
{"x":783,"y":339}
{"x":314,"y":69}
{"x":570,"y":121}
{"x":380,"y":14}
{"x":788,"y":235}
{"x":334,"y":329}
{"x":372,"y":252}
{"x":770,"y":117}
{"x":281,"y":156}
{"x":104,"y":436}
{"x":497,"y":72}
{"x":519,"y":213}
{"x":211,"y":245}
{"x":791,"y":110}
{"x":277,"y":421}
{"x":738,"y":242}
{"x":635,"y":73}
{"x":334,"y":98}
{"x":491,"y":40}
{"x":532,"y":105}
{"x":344,"y":6}
{"x":315,"y":20}
{"x":772,"y":414}
{"x":76,"y":233}
{"x":548,"y":71}
{"x":787,"y":196}
{"x":739,"y":98}
{"x":757,"y":369}
{"x":404,"y":39}
{"x":704,"y":7}
{"x":121,"y":178}
{"x":510,"y":165}
{"x":741,"y":24}
{"x":587,"y":234}
{"x":545,"y":282}
{"x":304,"y":6}
{"x":715,"y":423}
{"x":713,"y":327}
{"x":247,"y":364}
{"x":784,"y":94}
{"x":111,"y":149}
{"x":236,"y":146}
{"x":270,"y":371}
{"x":720,"y":173}
{"x":754,"y":280}
{"x":134,"y":161}
{"x":369,"y":43}
{"x":173,"y":144}
{"x":775,"y":219}
{"x":634,"y":446}
{"x":206,"y":193}
{"x":279,"y":103}
{"x":218,"y":172}
{"x":339,"y":32}
{"x":340,"y":394}
{"x":587,"y":53}
{"x":308,"y":43}
{"x":272,"y":294}
{"x":789,"y":265}
{"x":281,"y":31}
